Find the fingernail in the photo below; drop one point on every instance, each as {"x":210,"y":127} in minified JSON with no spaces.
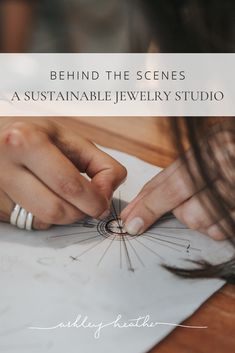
{"x":134,"y":226}
{"x":215,"y":233}
{"x":105,"y":214}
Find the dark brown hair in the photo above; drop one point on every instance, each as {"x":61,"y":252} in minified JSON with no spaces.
{"x":201,"y":26}
{"x":211,"y":166}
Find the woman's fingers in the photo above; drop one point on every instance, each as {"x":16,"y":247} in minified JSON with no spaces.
{"x":106,"y":173}
{"x":198,"y":212}
{"x":166,"y":190}
{"x":214,"y":231}
{"x":26,"y":190}
{"x":6,"y":207}
{"x":40,"y":225}
{"x":34,"y":150}
{"x":221,"y":229}
{"x":42,"y":175}
{"x":174,"y":187}
{"x":165,"y":194}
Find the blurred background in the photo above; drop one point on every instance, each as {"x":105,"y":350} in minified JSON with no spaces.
{"x":102,"y":26}
{"x":73,"y":26}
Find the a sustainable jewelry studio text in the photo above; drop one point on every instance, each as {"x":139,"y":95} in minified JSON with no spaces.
{"x":120,"y":95}
{"x":83,"y":322}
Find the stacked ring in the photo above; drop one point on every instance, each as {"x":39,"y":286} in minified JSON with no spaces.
{"x":21,"y":218}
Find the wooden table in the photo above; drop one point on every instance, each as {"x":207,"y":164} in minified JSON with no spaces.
{"x":148,"y":138}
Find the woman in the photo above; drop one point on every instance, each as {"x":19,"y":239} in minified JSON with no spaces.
{"x":198,"y":188}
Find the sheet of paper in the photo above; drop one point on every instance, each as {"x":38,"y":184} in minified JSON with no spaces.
{"x":86,"y":288}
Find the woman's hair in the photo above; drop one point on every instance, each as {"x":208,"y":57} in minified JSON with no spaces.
{"x":202,"y":26}
{"x":192,"y":26}
{"x":214,"y":160}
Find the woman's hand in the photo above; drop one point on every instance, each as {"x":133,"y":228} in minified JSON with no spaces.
{"x":41,"y":161}
{"x":191,"y":201}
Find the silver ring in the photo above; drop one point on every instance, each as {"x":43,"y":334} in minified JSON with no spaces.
{"x":29,"y":221}
{"x":15,"y":214}
{"x":21,"y":218}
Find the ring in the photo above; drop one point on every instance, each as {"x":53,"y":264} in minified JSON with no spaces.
{"x":21,"y":218}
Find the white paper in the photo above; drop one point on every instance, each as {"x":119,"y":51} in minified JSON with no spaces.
{"x":47,"y":279}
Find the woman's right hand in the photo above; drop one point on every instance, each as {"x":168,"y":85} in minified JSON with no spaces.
{"x":181,"y":189}
{"x":41,"y":161}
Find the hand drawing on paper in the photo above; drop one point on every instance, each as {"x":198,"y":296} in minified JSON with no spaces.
{"x":90,"y":235}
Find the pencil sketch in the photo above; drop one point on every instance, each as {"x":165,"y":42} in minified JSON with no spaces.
{"x":88,"y":236}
